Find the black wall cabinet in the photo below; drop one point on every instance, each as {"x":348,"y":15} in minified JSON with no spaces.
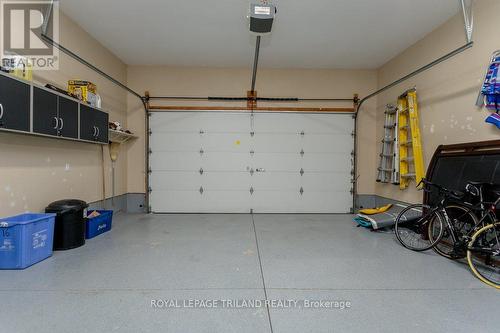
{"x":93,"y":124}
{"x":45,"y":118}
{"x":68,"y":118}
{"x":53,"y":114}
{"x":14,"y":104}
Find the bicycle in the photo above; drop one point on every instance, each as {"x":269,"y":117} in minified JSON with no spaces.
{"x":414,"y":223}
{"x":463,"y":221}
{"x":477,"y":239}
{"x":452,"y":229}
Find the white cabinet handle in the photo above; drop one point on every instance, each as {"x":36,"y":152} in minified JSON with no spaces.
{"x":62,"y":124}
{"x":57,"y":123}
{"x":1,"y":111}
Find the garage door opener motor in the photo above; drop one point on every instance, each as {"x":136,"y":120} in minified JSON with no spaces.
{"x":261,"y":16}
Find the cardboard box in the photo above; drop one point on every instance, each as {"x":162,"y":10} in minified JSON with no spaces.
{"x":82,"y":89}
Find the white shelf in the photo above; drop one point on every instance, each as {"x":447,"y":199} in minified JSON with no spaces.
{"x":119,"y":136}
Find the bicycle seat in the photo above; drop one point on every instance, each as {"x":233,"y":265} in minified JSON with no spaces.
{"x":457,"y":195}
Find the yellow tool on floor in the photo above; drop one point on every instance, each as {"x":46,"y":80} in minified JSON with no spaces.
{"x":411,"y":157}
{"x":378,"y":210}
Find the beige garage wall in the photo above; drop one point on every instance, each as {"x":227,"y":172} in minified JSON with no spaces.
{"x":35,"y":171}
{"x":270,"y":83}
{"x":448,"y":92}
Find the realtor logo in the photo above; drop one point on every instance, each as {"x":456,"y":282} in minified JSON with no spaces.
{"x":23,"y":23}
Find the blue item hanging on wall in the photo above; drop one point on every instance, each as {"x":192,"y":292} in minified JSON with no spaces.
{"x":494,"y":119}
{"x":491,"y":86}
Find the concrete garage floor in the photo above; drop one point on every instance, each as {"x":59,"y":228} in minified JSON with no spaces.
{"x":108,"y":285}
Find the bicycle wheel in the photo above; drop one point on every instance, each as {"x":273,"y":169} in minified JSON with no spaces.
{"x":412,"y":225}
{"x":483,"y":255}
{"x":463,"y":220}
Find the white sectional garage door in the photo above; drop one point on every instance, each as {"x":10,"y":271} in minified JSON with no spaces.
{"x":219,"y":162}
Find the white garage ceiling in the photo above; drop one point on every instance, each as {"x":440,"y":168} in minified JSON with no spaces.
{"x":307,"y":34}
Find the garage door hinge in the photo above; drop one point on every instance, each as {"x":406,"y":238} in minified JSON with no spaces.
{"x":302,"y":152}
{"x":150,"y":190}
{"x":252,"y":152}
{"x":201,"y":171}
{"x":301,"y":172}
{"x":353,"y":134}
{"x":251,"y":190}
{"x":353,"y":153}
{"x":150,"y":132}
{"x":202,"y":151}
{"x":252,"y":134}
{"x":150,"y":151}
{"x":301,"y":191}
{"x":251,"y":172}
{"x":302,"y":133}
{"x":202,"y":132}
{"x":150,"y":171}
{"x":201,"y":190}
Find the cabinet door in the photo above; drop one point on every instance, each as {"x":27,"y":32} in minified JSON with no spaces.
{"x":88,"y":130}
{"x":102,"y":126}
{"x":45,"y":117}
{"x":14,"y":104}
{"x":68,"y":118}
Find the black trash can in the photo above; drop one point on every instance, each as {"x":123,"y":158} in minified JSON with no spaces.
{"x":69,"y":230}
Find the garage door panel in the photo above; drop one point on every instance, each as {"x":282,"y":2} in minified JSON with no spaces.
{"x":175,"y":180}
{"x":276,"y":181}
{"x":276,"y":143}
{"x":277,"y":161}
{"x":174,"y":201}
{"x":179,"y":122}
{"x":215,"y":142}
{"x":219,"y":201}
{"x":273,"y":123}
{"x":324,"y":143}
{"x":193,"y":161}
{"x":323,"y":181}
{"x":308,"y":123}
{"x":326,"y":123}
{"x":310,"y":162}
{"x":194,"y":202}
{"x":174,"y":142}
{"x":327,"y":163}
{"x":217,"y":181}
{"x":324,"y":202}
{"x":293,"y":202}
{"x":282,"y":201}
{"x":226,"y":142}
{"x":309,"y":181}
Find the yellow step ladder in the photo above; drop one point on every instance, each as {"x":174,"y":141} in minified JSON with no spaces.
{"x":411,"y":157}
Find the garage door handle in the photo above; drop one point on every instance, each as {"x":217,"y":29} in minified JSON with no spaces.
{"x":1,"y":111}
{"x":62,"y":124}
{"x":260,"y":170}
{"x":57,"y":123}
